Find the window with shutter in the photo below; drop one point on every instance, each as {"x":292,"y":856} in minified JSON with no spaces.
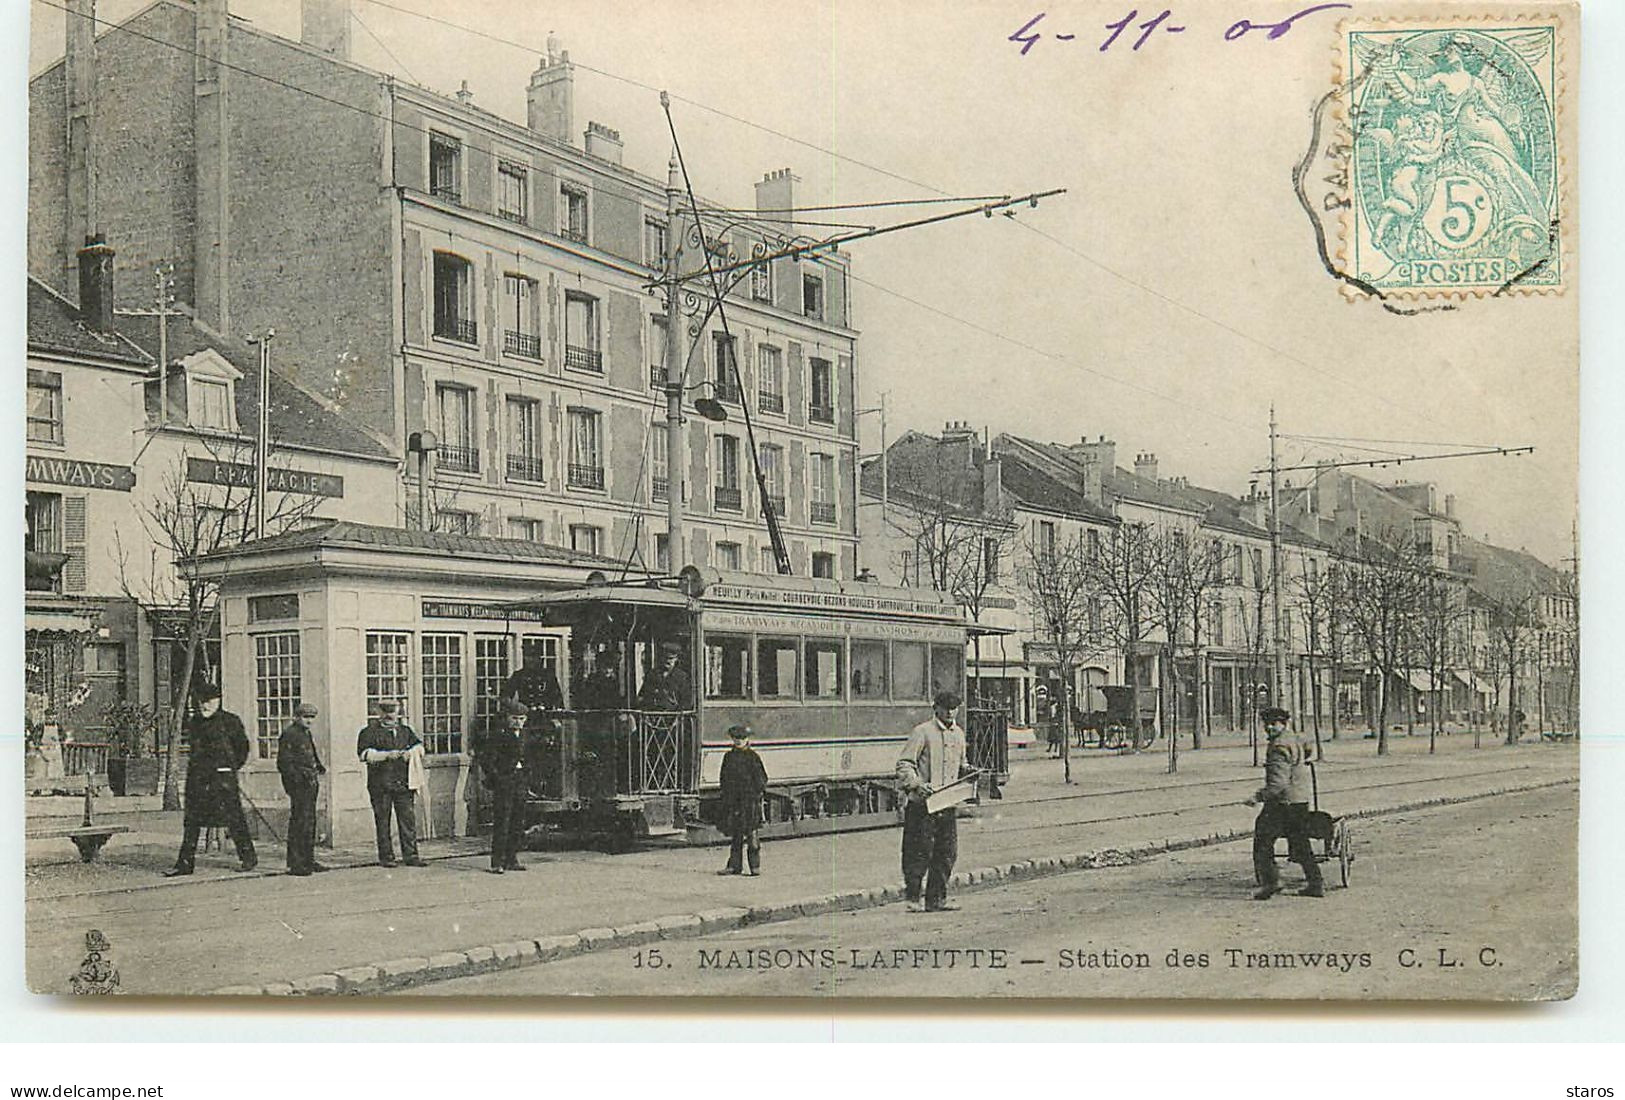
{"x":74,"y":520}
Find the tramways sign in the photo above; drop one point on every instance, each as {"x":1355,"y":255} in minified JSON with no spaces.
{"x":828,"y":601}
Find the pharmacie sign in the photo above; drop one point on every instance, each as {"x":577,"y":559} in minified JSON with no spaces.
{"x":78,"y":473}
{"x":210,"y":471}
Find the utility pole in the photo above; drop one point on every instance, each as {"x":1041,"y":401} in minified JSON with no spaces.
{"x":674,"y":372}
{"x":163,"y":277}
{"x":262,"y":433}
{"x":1281,"y":695}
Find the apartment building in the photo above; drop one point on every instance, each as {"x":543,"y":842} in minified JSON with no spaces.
{"x":452,"y":277}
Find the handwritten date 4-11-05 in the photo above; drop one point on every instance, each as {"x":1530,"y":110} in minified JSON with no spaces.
{"x":1028,"y":35}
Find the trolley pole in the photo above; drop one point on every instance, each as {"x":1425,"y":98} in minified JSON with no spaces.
{"x":674,"y":371}
{"x":1281,"y":694}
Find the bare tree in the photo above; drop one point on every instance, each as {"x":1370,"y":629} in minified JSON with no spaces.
{"x":1255,"y":641}
{"x":1440,"y":612}
{"x":184,"y":520}
{"x":1313,"y":590}
{"x":1514,"y":621}
{"x":1057,"y":581}
{"x":1379,"y":599}
{"x":1184,"y":570}
{"x":1119,"y":571}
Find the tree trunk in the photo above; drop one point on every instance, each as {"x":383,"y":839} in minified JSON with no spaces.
{"x":1512,"y":696}
{"x":1132,"y":668}
{"x":177,"y":714}
{"x":1202,"y":707}
{"x":1172,"y":713}
{"x":1382,"y":712}
{"x":1065,"y":720}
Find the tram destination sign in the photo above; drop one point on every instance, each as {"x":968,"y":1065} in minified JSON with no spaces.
{"x":209,"y":471}
{"x":828,"y":601}
{"x":464,"y":609}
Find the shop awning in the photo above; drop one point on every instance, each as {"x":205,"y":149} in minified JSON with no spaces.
{"x":1463,"y":678}
{"x":1421,"y":681}
{"x":61,"y":621}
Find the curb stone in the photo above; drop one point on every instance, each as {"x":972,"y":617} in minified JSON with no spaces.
{"x":396,"y":973}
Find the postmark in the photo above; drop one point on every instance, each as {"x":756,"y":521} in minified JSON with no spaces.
{"x":1451,"y":148}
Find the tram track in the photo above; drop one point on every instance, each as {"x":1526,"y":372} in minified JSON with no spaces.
{"x":1197,"y":808}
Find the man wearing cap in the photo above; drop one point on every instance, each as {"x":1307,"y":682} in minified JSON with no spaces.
{"x":666,"y":686}
{"x":1284,"y":809}
{"x":218,"y":746}
{"x":743,"y":780}
{"x":499,"y":750}
{"x":933,"y":757}
{"x":301,"y":772}
{"x":382,"y":745}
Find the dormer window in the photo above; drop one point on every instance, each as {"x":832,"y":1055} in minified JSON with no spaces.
{"x":202,"y":393}
{"x":211,"y":404}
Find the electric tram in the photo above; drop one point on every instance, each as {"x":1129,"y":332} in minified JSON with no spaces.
{"x":831,"y":676}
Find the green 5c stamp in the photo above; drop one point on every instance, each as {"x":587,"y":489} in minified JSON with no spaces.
{"x":1455,"y":167}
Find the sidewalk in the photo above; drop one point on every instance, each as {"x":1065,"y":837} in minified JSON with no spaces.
{"x":222,"y":929}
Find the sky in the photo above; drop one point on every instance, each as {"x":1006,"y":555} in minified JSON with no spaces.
{"x":1167,"y":300}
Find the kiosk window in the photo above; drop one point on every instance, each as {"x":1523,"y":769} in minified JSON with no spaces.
{"x":388,"y":668}
{"x":823,"y":670}
{"x":947,"y":669}
{"x":776,"y":668}
{"x":276,"y":687}
{"x":727,"y":666}
{"x":442,"y":693}
{"x":490,"y":672}
{"x":868,"y":670}
{"x":908,"y":670}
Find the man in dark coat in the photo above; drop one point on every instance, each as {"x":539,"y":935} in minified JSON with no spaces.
{"x":218,"y":747}
{"x":1285,"y":808}
{"x":382,"y":745}
{"x":744,"y":779}
{"x":536,"y":688}
{"x":301,"y":770}
{"x":500,"y":752}
{"x":666,"y":687}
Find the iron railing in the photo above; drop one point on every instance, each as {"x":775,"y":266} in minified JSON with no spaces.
{"x":522,"y":343}
{"x":821,"y":511}
{"x":659,"y":487}
{"x":524,"y":468}
{"x":457,"y":460}
{"x":85,"y":757}
{"x":586,"y":477}
{"x":730,"y":500}
{"x":821,"y":414}
{"x":987,"y":740}
{"x":620,"y":752}
{"x":775,"y":504}
{"x":455,"y":328}
{"x":770,"y":402}
{"x":657,"y":378}
{"x":588,"y":359}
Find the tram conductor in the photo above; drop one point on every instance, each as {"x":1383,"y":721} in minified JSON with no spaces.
{"x":1283,"y":803}
{"x":933,"y":757}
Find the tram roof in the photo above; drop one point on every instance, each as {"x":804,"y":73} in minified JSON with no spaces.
{"x":720,"y":587}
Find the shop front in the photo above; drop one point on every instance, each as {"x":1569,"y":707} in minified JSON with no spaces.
{"x":347,"y":615}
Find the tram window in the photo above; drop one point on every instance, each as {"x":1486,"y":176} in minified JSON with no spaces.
{"x":823,"y":679}
{"x":947,"y":669}
{"x":868,"y":670}
{"x":909,"y":678}
{"x":727,"y":666}
{"x":775,"y":668}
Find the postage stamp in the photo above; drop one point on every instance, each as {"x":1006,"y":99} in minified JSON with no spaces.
{"x":1455,"y":157}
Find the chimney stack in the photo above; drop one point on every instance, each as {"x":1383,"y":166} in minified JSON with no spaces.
{"x":1145,"y":465}
{"x":465,"y":95}
{"x":550,"y":99}
{"x":1091,"y":477}
{"x":776,"y":194}
{"x":96,"y":284}
{"x":1450,"y":506}
{"x":325,"y":25}
{"x":602,"y":142}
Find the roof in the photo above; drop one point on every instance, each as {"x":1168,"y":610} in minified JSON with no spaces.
{"x":54,"y":325}
{"x":1035,"y":488}
{"x":1506,"y":576}
{"x":298,"y":418}
{"x":367,"y":536}
{"x":1224,"y":512}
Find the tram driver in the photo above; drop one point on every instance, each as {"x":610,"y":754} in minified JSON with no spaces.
{"x":667,"y":688}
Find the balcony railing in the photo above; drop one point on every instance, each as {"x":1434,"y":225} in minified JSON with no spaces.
{"x":727,"y":392}
{"x":659,"y":487}
{"x":577,"y":233}
{"x":457,"y":460}
{"x":822,"y":414}
{"x":522,"y":343}
{"x":775,"y":504}
{"x":524,"y":468}
{"x":588,"y":359}
{"x":821,"y":511}
{"x":730,"y":500}
{"x":511,"y":215}
{"x":770,"y":402}
{"x":586,"y":477}
{"x":446,"y":191}
{"x":455,"y":328}
{"x":657,"y":378}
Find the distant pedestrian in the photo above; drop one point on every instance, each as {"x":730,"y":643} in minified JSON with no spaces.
{"x":933,"y":757}
{"x":1285,"y":808}
{"x":744,"y":780}
{"x":382,"y":745}
{"x":218,"y":747}
{"x":301,"y":769}
{"x":499,"y":750}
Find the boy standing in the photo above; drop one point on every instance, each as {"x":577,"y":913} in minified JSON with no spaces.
{"x":744,"y":779}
